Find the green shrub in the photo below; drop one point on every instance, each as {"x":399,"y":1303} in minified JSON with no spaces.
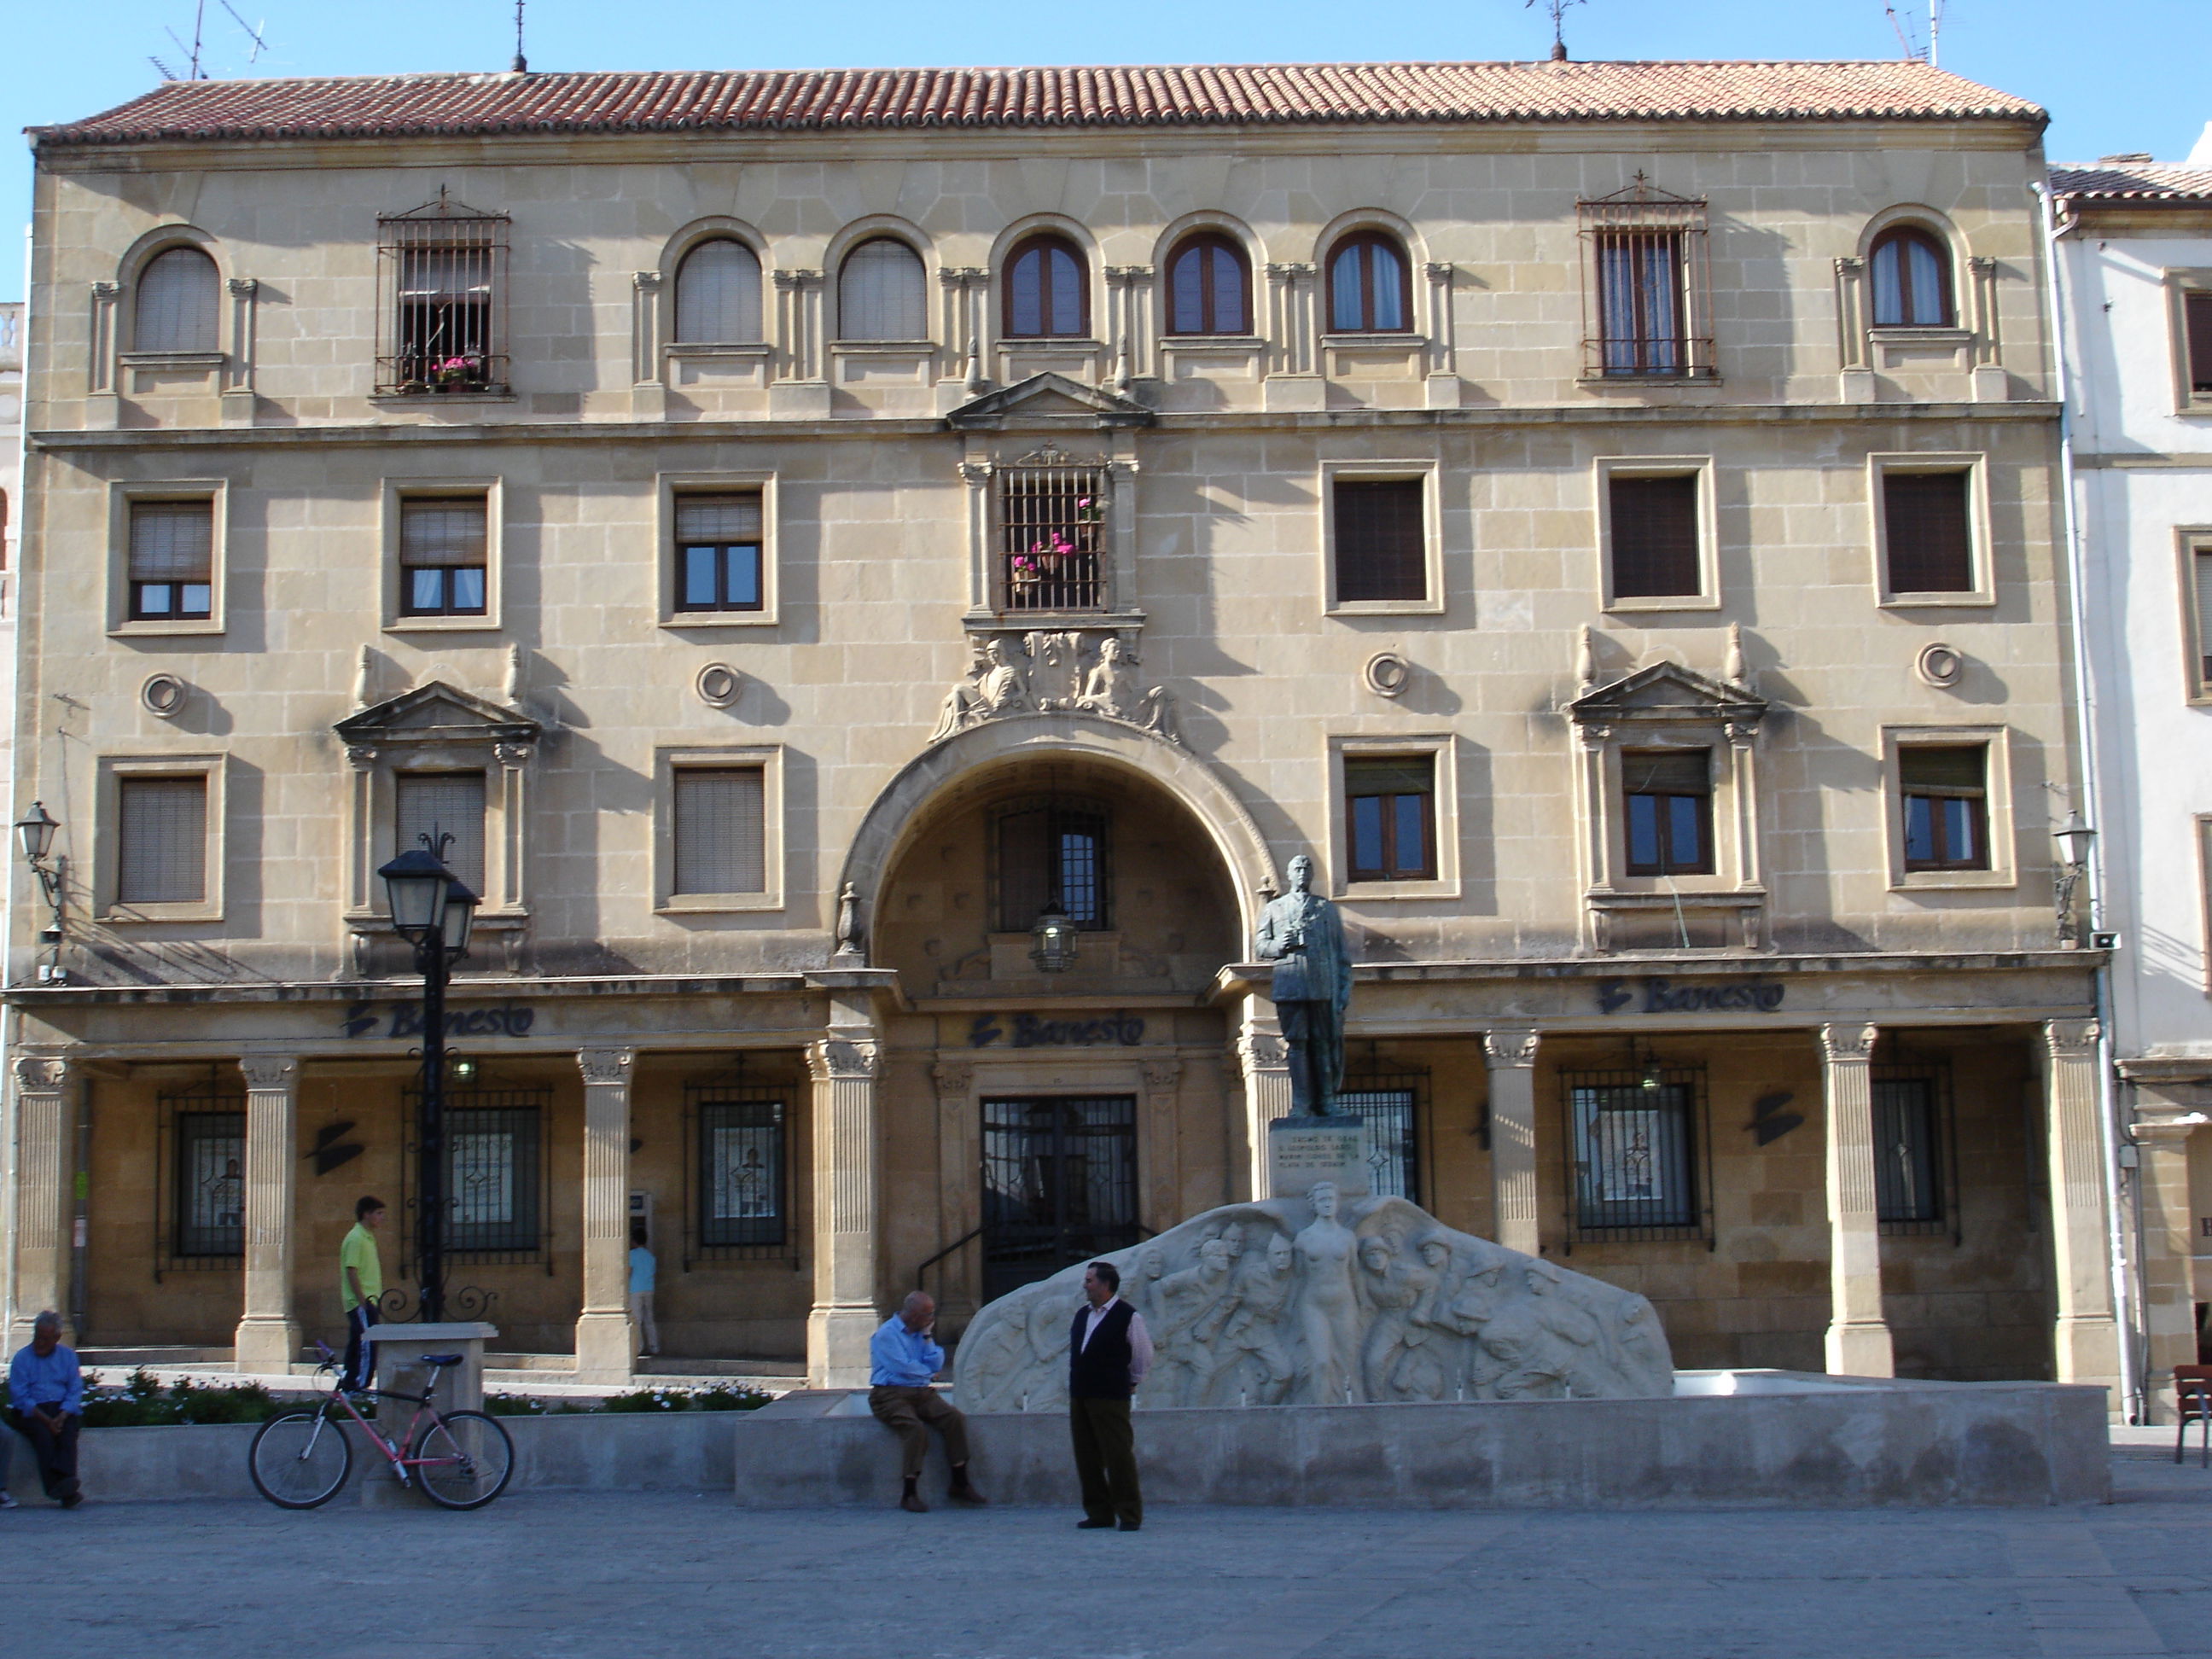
{"x":720,"y":1398}
{"x":143,"y":1403}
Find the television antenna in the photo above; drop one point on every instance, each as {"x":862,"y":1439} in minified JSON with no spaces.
{"x":1932,"y":54}
{"x":194,"y":70}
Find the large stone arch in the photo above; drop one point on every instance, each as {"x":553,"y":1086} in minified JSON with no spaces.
{"x":884,"y":830}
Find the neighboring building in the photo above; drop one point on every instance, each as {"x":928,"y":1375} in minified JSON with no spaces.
{"x":1608,"y":514}
{"x":2136,"y":239}
{"x":11,"y":496}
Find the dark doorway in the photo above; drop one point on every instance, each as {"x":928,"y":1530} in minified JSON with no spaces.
{"x":1060,"y":1185}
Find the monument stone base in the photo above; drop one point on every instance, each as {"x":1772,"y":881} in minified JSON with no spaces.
{"x":1304,"y":1150}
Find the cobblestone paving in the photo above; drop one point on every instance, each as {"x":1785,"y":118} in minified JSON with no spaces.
{"x":644,"y":1575}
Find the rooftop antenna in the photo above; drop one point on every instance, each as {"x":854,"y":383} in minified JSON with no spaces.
{"x":192,"y":70}
{"x":521,"y":66}
{"x":1904,"y":34}
{"x":252,"y":34}
{"x":1558,"y":8}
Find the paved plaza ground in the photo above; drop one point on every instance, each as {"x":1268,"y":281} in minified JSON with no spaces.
{"x":648,"y":1574}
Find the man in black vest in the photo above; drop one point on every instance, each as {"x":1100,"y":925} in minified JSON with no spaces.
{"x":1108,"y":1352}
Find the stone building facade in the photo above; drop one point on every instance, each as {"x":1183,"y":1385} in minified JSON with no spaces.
{"x":804,"y":532}
{"x":2134,"y":247}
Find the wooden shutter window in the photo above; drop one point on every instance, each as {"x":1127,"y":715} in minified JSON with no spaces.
{"x":1925,"y":515}
{"x":449,"y":803}
{"x":1381,"y":540}
{"x":718,"y":520}
{"x":2197,"y":308}
{"x":721,"y":830}
{"x":1654,"y":538}
{"x":718,"y":295}
{"x":172,"y":560}
{"x":162,"y":843}
{"x":441,"y":533}
{"x":178,"y":296}
{"x":1668,"y":772}
{"x":2200,"y":564}
{"x":879,"y":292}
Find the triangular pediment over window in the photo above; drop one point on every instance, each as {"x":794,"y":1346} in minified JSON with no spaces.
{"x":1667,"y":691}
{"x":438,"y":713}
{"x":1048,"y":400}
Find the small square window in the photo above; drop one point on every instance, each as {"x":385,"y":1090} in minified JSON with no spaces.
{"x":1946,"y":805}
{"x":721,"y":830}
{"x":1654,"y":529}
{"x":1927,"y":519}
{"x":1390,"y":817}
{"x":172,"y":561}
{"x":718,"y":552}
{"x":1669,"y":810}
{"x":162,"y":841}
{"x":1381,"y":540}
{"x":443,"y":545}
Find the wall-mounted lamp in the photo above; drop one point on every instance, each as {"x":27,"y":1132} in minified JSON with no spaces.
{"x":1055,"y":940}
{"x":35,"y":836}
{"x":2074,"y":837}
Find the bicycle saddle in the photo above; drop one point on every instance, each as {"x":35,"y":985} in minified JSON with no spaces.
{"x":439,"y":1358}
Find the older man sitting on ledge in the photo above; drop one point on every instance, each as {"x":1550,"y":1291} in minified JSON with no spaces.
{"x":903,"y":1357}
{"x":45,"y":1405}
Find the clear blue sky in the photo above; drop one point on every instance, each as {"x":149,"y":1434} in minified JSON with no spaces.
{"x":2117,"y":75}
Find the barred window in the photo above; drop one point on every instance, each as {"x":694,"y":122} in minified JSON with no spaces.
{"x":1051,"y":534}
{"x":178,"y":302}
{"x":443,"y":554}
{"x":741,"y":1172}
{"x":1653,"y":525}
{"x":721,"y":830}
{"x":1386,"y":1119}
{"x":441,"y":804}
{"x":1052,"y":852}
{"x":718,"y":295}
{"x":162,"y":841}
{"x":210,"y":1178}
{"x":1907,"y":1150}
{"x":172,"y":561}
{"x":880,"y":294}
{"x":718,"y":552}
{"x":1927,"y":522}
{"x":443,"y":272}
{"x":1634,"y":1154}
{"x":1390,"y":817}
{"x":1669,"y":798}
{"x":1946,"y":790}
{"x":492,"y":1177}
{"x":1381,"y":539}
{"x":1646,"y":294}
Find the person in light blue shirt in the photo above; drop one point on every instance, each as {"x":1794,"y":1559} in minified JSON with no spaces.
{"x":642,"y":1271}
{"x":903,"y":1357}
{"x":46,"y":1406}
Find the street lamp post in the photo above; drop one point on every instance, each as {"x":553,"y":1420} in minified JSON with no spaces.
{"x":2072,"y":838}
{"x":34,"y":834}
{"x":432,"y":912}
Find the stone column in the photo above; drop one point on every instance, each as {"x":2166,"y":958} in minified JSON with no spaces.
{"x":237,"y":379}
{"x":1158,"y":1155}
{"x":648,"y":394}
{"x":1441,"y":358}
{"x":959,"y":1172}
{"x":268,"y":1337}
{"x":1858,"y":1337}
{"x":1264,"y":1063}
{"x":1510,"y":1055}
{"x":606,"y":1349}
{"x":43,"y":1215}
{"x":1855,"y":378}
{"x":2086,"y":1341}
{"x":845,"y":1066}
{"x":1294,"y":379}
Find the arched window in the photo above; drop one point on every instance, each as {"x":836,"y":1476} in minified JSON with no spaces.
{"x":176,"y":305}
{"x":718,"y":295}
{"x":1047,"y":296}
{"x":1367,"y":286}
{"x":1209,"y":287}
{"x":1911,"y":280}
{"x":879,"y":292}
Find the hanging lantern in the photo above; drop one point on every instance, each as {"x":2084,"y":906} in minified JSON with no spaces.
{"x":1055,"y":940}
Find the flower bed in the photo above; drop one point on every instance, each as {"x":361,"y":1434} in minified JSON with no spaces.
{"x":142,"y":1401}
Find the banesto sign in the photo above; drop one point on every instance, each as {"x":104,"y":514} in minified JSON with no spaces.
{"x":1663,"y":996}
{"x":1030,"y":1032}
{"x":405,"y":1019}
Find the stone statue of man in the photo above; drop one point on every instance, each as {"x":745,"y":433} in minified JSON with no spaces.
{"x":1302,"y":934}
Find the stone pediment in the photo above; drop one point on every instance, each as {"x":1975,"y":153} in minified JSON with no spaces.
{"x":437,"y":713}
{"x":1667,"y":691}
{"x":1048,"y":399}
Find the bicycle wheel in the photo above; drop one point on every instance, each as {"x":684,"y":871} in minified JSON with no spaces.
{"x":300,"y":1460}
{"x":463,"y":1459}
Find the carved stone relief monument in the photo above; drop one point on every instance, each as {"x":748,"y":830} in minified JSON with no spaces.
{"x":1324,"y":1299}
{"x":1084,"y":672}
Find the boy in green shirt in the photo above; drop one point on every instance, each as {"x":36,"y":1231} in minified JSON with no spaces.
{"x":361,"y":1281}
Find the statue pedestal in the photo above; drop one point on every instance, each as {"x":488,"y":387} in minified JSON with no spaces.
{"x":1304,"y":1151}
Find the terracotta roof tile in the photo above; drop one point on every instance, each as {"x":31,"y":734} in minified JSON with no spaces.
{"x":2148,"y":183}
{"x":1203,"y":94}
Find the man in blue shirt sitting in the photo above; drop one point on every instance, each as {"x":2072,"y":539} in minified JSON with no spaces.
{"x":903,"y":1356}
{"x":45,"y":1404}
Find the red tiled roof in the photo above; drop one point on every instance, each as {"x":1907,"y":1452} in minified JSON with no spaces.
{"x":1206,"y":94}
{"x":2146,"y":183}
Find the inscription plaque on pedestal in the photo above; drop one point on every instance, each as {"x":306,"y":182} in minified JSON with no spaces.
{"x":1304,"y":1151}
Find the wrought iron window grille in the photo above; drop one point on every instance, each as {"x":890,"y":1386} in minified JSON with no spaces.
{"x":1052,"y":533}
{"x":441,"y":300}
{"x":1916,"y":1151}
{"x":1052,"y":849}
{"x":738,"y":1147}
{"x":1060,"y":1184}
{"x":499,"y":1174}
{"x":1640,"y":1155}
{"x":1647,"y":285}
{"x":1392,"y":1104}
{"x":199,"y":1191}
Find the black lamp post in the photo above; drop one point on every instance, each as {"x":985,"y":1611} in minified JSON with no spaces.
{"x":432,"y":912}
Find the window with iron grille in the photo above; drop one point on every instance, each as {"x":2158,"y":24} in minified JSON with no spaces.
{"x":176,"y":302}
{"x":1913,"y":1159}
{"x":1060,"y":1185}
{"x":1051,"y":534}
{"x":1653,"y":527}
{"x":718,"y":552}
{"x":1381,"y":539}
{"x":1946,"y":805}
{"x":741,"y":1172}
{"x":1912,"y":278}
{"x":443,"y":555}
{"x":161,"y":855}
{"x":1388,"y":1106}
{"x":172,"y":561}
{"x":721,"y":830}
{"x":2197,"y":325}
{"x":442,"y":268}
{"x":200,"y":1192}
{"x":1927,"y":530}
{"x":441,"y":803}
{"x":1390,"y":817}
{"x":1052,"y":852}
{"x":1646,"y":289}
{"x":1670,"y":818}
{"x":1637,"y":1160}
{"x":492,"y":1177}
